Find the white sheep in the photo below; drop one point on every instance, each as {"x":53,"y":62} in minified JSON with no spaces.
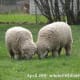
{"x":19,"y":42}
{"x":53,"y":37}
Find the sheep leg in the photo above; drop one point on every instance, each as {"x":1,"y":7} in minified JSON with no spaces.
{"x":46,"y":55}
{"x":68,"y":49}
{"x":59,"y":51}
{"x":54,"y":53}
{"x":11,"y":53}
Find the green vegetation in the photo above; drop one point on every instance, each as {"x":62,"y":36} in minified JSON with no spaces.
{"x":22,"y":18}
{"x":19,"y":70}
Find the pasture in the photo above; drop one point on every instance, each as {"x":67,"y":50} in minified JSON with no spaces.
{"x":22,"y":18}
{"x":36,"y":69}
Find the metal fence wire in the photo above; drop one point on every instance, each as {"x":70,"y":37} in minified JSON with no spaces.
{"x":10,"y":6}
{"x":20,"y":7}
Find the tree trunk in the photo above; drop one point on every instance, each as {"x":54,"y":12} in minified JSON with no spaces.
{"x":70,"y":9}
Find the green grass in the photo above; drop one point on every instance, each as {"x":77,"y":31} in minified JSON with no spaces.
{"x":22,"y":18}
{"x":19,"y":70}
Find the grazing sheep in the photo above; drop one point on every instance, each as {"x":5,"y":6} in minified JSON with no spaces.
{"x":19,"y":42}
{"x":53,"y":37}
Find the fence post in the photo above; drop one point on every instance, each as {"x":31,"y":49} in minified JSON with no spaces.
{"x":36,"y":17}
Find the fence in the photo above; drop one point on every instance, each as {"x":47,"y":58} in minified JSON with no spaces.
{"x":19,"y":8}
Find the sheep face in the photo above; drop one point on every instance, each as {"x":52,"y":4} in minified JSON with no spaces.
{"x":42,"y":51}
{"x":27,"y":54}
{"x":28,"y":51}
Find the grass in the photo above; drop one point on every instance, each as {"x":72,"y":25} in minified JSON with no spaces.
{"x":24,"y":69}
{"x":22,"y":18}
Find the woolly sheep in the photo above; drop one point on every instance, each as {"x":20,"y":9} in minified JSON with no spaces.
{"x":53,"y":37}
{"x":19,"y":42}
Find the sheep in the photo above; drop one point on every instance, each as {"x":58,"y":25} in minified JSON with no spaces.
{"x":19,"y":42}
{"x":52,"y":38}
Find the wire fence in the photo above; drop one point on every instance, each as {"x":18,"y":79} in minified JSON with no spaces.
{"x":12,"y":6}
{"x":24,"y":11}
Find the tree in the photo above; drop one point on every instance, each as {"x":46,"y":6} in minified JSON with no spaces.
{"x":72,"y":10}
{"x":50,"y":9}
